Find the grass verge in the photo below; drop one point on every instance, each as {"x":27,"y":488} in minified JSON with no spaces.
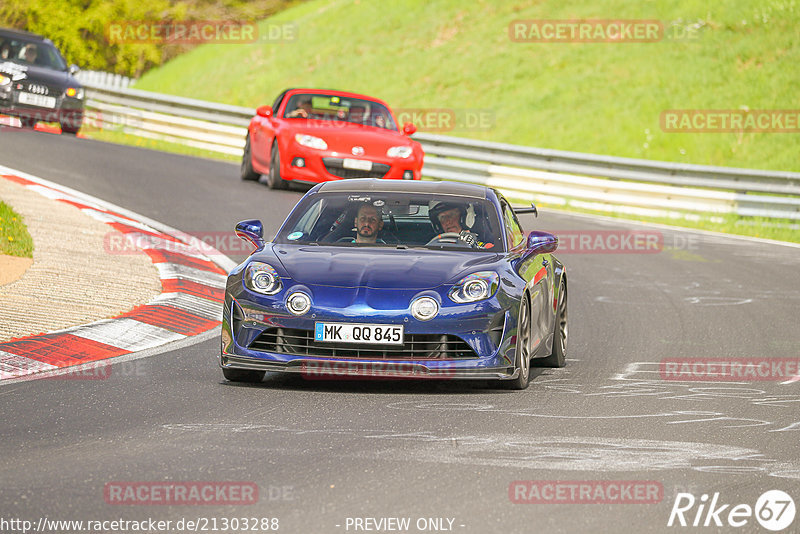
{"x":458,"y":60}
{"x":120,"y":138}
{"x":14,"y":237}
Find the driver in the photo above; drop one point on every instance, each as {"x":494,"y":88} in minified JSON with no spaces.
{"x":451,"y":218}
{"x":303,"y":109}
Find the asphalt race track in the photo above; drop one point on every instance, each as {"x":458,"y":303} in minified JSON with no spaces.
{"x":324,"y":454}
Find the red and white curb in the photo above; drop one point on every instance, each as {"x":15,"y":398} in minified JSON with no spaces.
{"x":189,"y":305}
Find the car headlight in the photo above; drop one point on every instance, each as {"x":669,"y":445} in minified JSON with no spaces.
{"x":475,"y":287}
{"x":399,"y":152}
{"x":262,"y":278}
{"x":4,"y":80}
{"x":311,"y":142}
{"x":424,"y":308}
{"x":74,"y":92}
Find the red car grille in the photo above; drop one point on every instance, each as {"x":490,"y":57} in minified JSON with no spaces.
{"x":416,"y":347}
{"x":335,"y":166}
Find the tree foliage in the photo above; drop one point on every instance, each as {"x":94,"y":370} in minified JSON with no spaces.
{"x":79,"y":27}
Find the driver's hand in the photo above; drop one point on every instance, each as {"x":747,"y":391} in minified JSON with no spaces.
{"x":468,"y":237}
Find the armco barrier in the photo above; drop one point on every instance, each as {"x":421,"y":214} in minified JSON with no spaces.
{"x":547,"y":176}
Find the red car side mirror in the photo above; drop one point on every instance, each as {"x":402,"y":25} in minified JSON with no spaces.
{"x":409,"y":128}
{"x":264,"y":111}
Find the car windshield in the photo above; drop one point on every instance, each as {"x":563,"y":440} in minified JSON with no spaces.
{"x":339,"y":108}
{"x":36,"y":53}
{"x":397,"y":220}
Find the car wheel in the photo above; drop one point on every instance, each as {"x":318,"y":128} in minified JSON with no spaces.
{"x":28,"y":122}
{"x":523,"y":349}
{"x":558,"y":358}
{"x":274,"y":180}
{"x":242,"y":375}
{"x":70,"y":125}
{"x":246,"y":171}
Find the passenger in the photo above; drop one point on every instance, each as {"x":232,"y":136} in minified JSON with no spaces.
{"x":368,"y":224}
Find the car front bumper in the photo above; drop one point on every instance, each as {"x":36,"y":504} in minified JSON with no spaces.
{"x":325,"y":165}
{"x":66,"y":110}
{"x":485,"y":334}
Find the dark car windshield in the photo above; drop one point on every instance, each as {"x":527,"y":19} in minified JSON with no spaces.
{"x":339,"y":108}
{"x":394,"y":220}
{"x":26,"y":52}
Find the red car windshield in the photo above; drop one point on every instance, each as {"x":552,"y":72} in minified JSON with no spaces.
{"x":339,"y":108}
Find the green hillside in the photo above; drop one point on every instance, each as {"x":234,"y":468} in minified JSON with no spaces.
{"x":456,"y":56}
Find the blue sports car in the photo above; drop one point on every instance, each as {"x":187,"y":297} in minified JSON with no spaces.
{"x":398,"y":279}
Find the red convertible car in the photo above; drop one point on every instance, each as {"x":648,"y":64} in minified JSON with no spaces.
{"x":314,"y":135}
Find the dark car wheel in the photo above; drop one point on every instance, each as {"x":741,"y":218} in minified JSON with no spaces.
{"x":28,"y":122}
{"x":246,"y":171}
{"x":523,"y":349}
{"x":274,"y":180}
{"x":558,"y":358}
{"x":242,"y":375}
{"x":70,"y":125}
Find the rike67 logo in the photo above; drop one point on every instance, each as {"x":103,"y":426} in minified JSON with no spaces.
{"x":774,"y":510}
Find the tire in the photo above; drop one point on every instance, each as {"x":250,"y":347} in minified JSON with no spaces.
{"x":523,"y":349}
{"x":242,"y":375}
{"x":246,"y":171}
{"x":558,"y":358}
{"x":28,"y":122}
{"x":274,"y":180}
{"x":71,"y":125}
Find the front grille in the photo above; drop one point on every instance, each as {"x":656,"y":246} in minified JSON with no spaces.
{"x":41,"y":89}
{"x":416,"y":347}
{"x":335,"y":166}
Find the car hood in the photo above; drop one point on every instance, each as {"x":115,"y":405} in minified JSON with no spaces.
{"x":383,"y":268}
{"x":342,"y":137}
{"x":30,"y":73}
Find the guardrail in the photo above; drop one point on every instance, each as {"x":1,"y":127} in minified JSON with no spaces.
{"x":553,"y":177}
{"x":103,"y":79}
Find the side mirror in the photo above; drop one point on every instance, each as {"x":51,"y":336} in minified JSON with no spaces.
{"x":251,"y":231}
{"x":409,"y":128}
{"x":264,"y":111}
{"x":73,"y":70}
{"x":541,"y":243}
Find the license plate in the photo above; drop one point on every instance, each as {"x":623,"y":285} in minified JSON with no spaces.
{"x":375,"y":334}
{"x":37,"y":100}
{"x":359,"y":164}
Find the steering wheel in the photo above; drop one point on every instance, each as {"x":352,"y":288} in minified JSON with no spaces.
{"x":345,"y":239}
{"x":447,"y":237}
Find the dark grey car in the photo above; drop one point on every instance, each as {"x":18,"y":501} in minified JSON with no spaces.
{"x":36,"y":84}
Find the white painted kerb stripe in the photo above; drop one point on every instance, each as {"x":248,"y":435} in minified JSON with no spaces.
{"x":184,"y":272}
{"x":12,"y":365}
{"x":127,"y":334}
